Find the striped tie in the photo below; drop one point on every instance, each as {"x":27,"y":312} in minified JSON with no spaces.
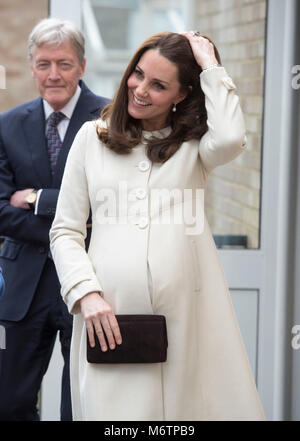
{"x":53,"y":139}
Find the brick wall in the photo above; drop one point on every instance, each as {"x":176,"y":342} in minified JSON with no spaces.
{"x":17,"y":18}
{"x":233,"y":193}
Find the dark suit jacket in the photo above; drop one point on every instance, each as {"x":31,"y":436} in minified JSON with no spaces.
{"x":24,"y":163}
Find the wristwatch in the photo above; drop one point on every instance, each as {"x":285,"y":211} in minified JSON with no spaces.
{"x":31,"y":199}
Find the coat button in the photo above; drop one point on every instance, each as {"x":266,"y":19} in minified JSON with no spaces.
{"x":143,"y":223}
{"x":144,"y":165}
{"x":42,"y":250}
{"x":140,"y":193}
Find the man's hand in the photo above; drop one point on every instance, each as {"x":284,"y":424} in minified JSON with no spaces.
{"x":18,"y":199}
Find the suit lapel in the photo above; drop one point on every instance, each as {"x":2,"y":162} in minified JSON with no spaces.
{"x":85,"y":110}
{"x":34,"y":129}
{"x":78,"y":118}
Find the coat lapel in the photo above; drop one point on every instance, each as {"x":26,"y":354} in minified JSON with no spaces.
{"x":34,"y":129}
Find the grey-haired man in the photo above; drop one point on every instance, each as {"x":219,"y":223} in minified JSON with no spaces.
{"x":35,"y":139}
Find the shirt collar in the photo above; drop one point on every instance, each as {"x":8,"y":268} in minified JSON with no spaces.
{"x":69,"y":107}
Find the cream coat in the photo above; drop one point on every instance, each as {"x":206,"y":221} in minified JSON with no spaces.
{"x":145,"y":262}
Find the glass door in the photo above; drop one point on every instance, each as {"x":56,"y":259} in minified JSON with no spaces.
{"x":246,"y":200}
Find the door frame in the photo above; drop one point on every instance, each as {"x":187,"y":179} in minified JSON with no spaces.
{"x":270,"y":269}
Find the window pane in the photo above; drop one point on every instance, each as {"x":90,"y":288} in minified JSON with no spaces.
{"x":115,"y":28}
{"x":233,"y":191}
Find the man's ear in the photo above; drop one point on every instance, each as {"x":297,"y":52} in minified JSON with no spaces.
{"x":82,"y":66}
{"x":32,"y":70}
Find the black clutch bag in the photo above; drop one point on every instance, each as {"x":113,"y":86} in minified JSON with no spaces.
{"x":144,"y":340}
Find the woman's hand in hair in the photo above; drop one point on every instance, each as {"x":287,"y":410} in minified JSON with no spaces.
{"x":203,"y":50}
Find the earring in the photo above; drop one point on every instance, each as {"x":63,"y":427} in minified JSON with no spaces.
{"x":174,"y":108}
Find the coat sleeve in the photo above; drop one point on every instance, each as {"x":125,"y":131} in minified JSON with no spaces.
{"x":225,"y":138}
{"x":68,"y":232}
{"x":47,"y":202}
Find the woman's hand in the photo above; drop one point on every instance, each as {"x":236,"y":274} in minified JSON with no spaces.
{"x":203,"y":50}
{"x":98,"y":315}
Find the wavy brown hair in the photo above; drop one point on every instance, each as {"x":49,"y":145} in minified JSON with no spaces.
{"x":188,"y":122}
